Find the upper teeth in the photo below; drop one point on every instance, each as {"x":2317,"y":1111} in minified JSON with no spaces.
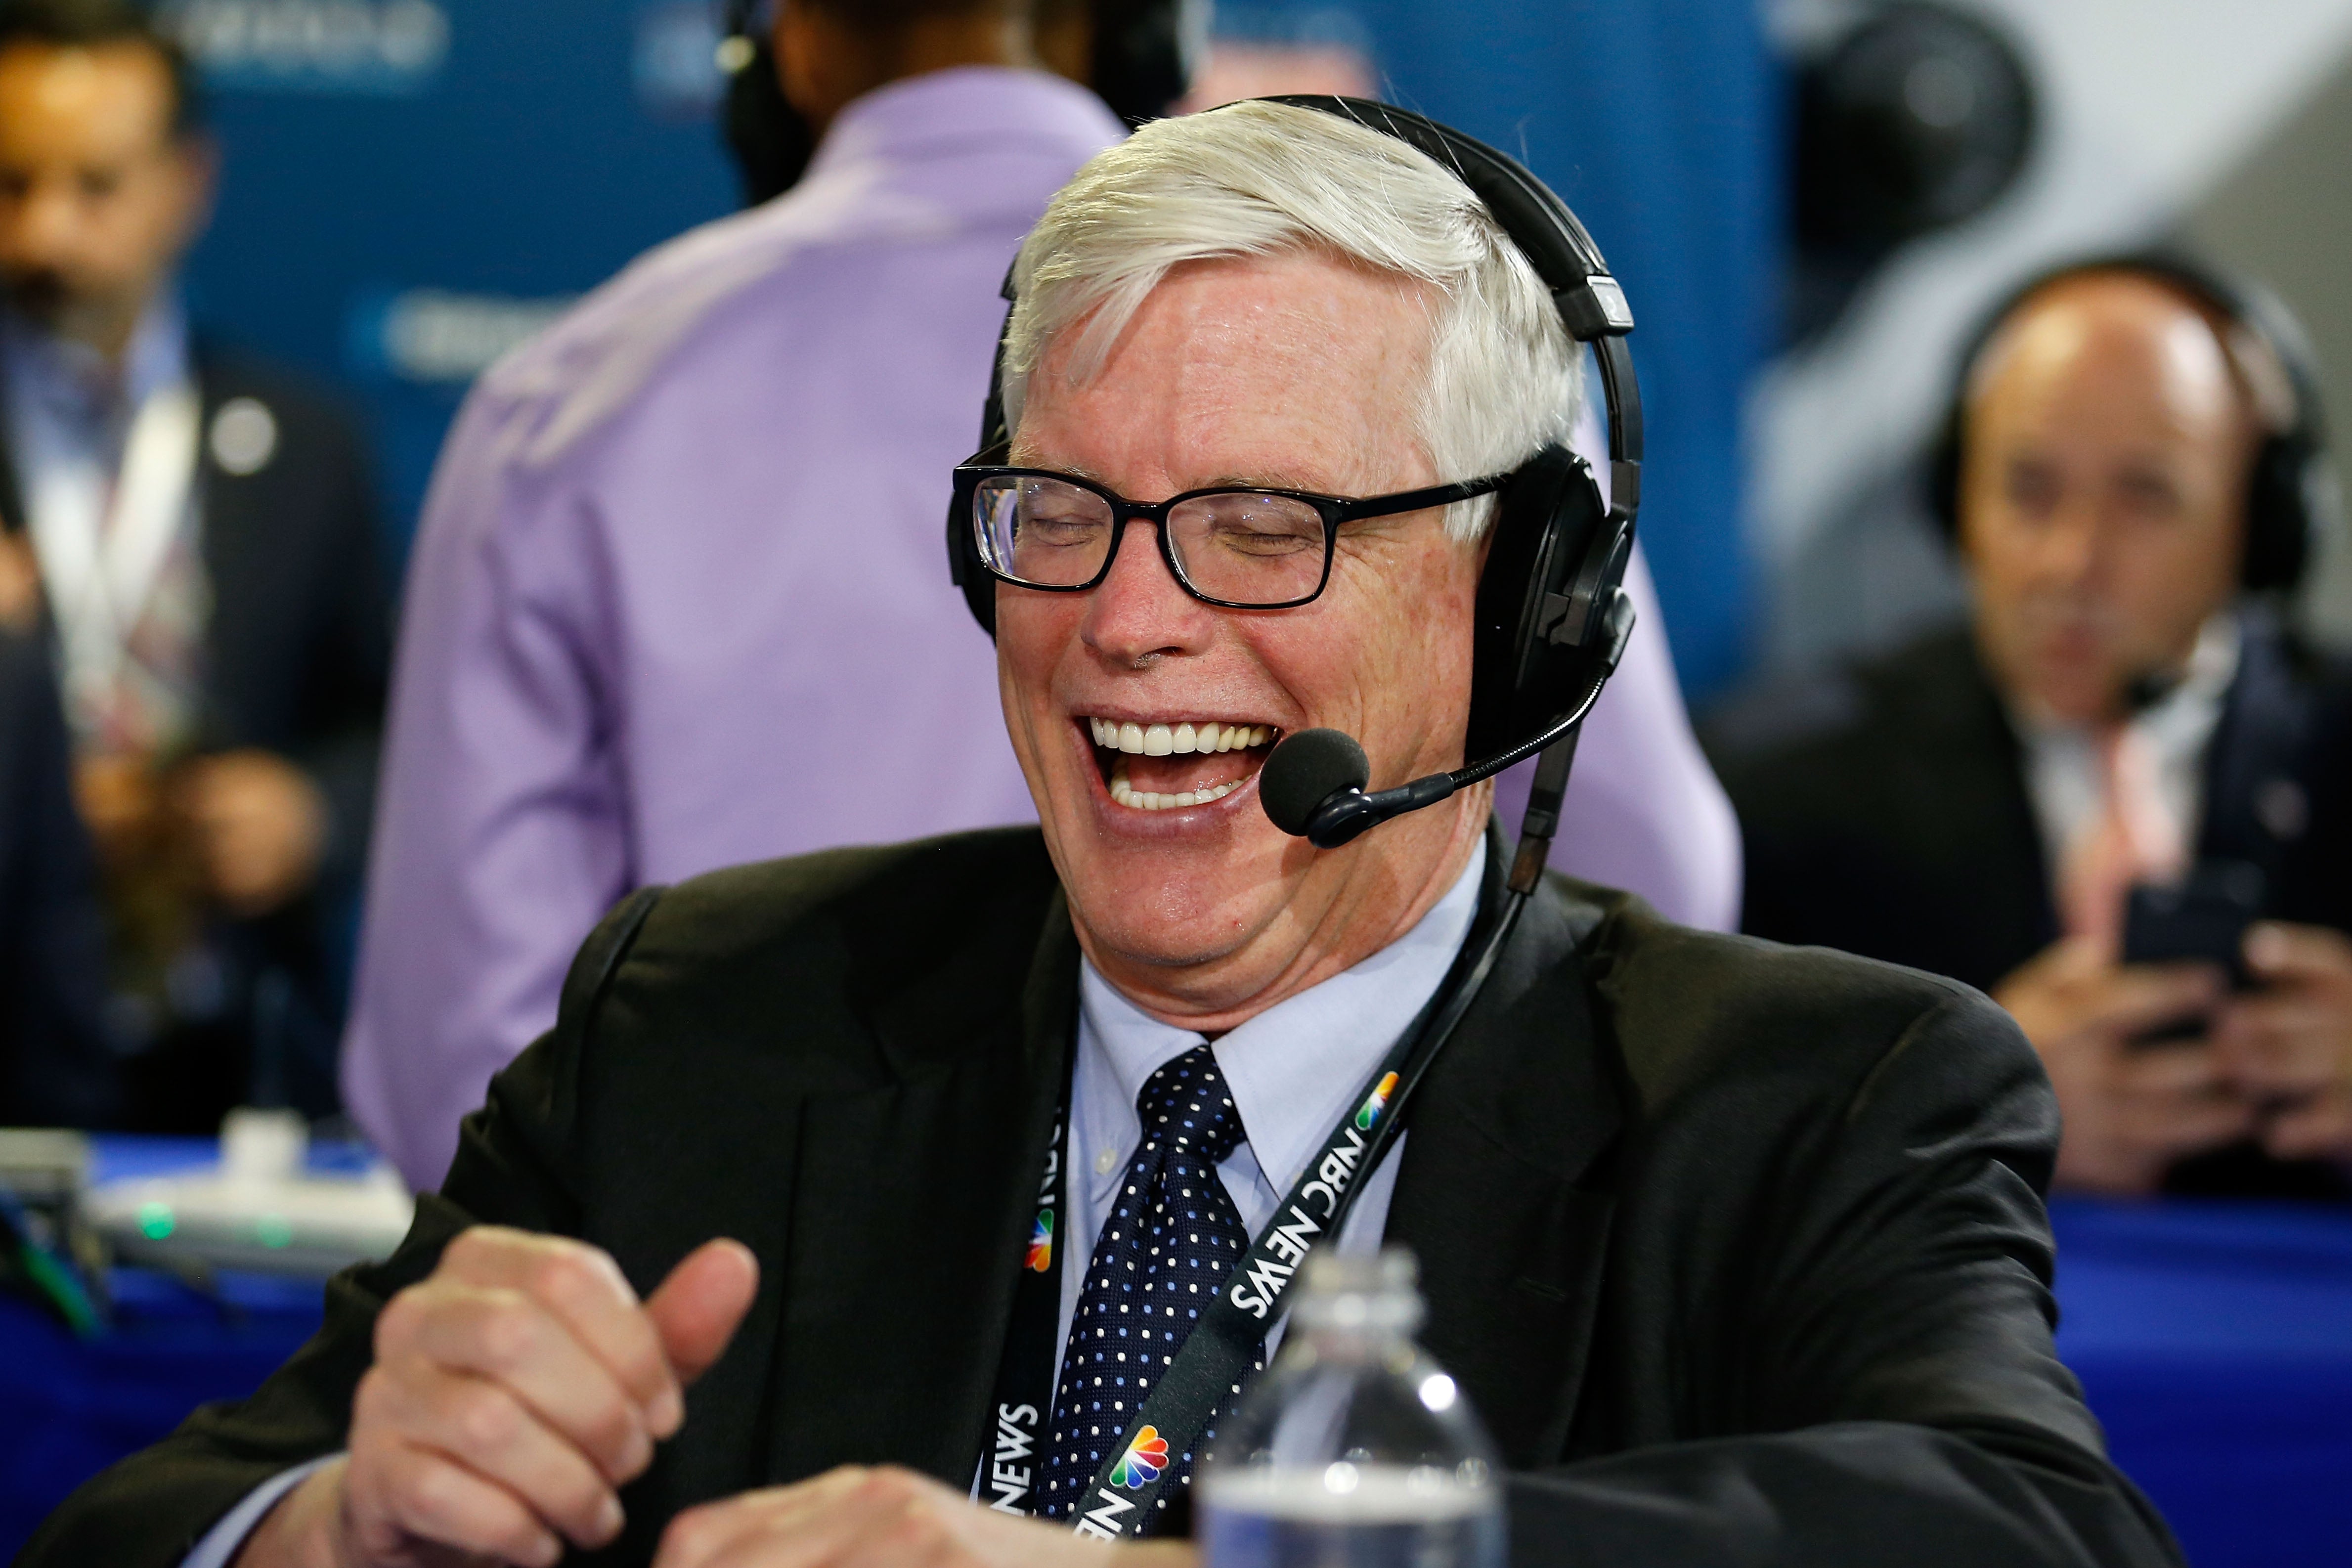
{"x":1161,"y":740}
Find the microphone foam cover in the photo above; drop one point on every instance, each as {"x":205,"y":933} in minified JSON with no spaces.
{"x":1306,"y":769}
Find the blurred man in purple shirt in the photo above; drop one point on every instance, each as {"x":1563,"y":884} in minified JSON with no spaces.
{"x":628,"y":658}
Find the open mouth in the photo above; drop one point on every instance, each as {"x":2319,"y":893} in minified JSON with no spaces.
{"x":1161,"y":766}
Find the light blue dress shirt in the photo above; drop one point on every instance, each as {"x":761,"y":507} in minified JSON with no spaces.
{"x":65,"y":404}
{"x":1294,"y":1070}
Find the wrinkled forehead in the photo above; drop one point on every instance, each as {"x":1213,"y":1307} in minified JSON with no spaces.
{"x":1258,"y":367}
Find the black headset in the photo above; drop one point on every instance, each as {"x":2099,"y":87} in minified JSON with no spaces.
{"x":2291,"y":490}
{"x":771,"y":141}
{"x":1141,"y":63}
{"x":1552,"y":615}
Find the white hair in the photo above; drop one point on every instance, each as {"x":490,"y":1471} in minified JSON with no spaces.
{"x":1257,"y":179}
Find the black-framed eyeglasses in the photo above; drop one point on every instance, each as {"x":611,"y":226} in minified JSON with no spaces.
{"x":1236,"y":547}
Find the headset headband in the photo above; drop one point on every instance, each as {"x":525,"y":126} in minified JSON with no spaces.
{"x":1557,"y":245}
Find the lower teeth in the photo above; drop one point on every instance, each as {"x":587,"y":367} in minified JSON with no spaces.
{"x":1127,"y":794}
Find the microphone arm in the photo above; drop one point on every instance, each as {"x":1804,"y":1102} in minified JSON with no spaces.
{"x":1348,"y":813}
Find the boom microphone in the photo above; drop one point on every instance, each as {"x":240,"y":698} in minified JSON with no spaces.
{"x":1304,"y":770}
{"x":1312,"y":787}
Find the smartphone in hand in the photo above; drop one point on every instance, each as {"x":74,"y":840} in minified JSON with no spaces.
{"x":2200,"y":919}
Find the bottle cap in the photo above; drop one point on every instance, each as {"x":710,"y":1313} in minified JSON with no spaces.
{"x":1360,"y":1292}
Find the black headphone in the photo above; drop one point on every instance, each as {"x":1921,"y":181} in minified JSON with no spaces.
{"x":1552,"y":615}
{"x":1141,"y":63}
{"x":2290,"y":490}
{"x":770,"y":141}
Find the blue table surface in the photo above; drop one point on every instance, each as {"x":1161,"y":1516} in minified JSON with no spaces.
{"x":2214,"y":1342}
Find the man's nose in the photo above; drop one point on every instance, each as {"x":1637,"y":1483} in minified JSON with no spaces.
{"x":1138,"y":608}
{"x":2074,"y":551}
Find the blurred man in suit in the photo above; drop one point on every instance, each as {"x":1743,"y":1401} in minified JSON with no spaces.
{"x":2132,"y":466}
{"x":205,"y":540}
{"x":634,"y":648}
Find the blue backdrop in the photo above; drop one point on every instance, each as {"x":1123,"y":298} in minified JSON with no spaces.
{"x":412,"y":185}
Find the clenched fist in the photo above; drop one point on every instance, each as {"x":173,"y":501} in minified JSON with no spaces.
{"x":513,"y":1393}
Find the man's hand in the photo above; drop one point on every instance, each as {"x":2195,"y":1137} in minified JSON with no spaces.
{"x":513,"y":1393}
{"x":2288,"y":1045}
{"x":122,"y":805}
{"x":20,"y":584}
{"x":2130,"y":1110}
{"x":259,"y":826}
{"x":885,"y":1519}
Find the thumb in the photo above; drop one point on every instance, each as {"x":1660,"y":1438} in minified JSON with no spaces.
{"x":698,"y":1307}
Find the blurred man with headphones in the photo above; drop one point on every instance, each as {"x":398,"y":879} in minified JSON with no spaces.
{"x":636,"y":645}
{"x":863,"y":1202}
{"x":2119,"y":800}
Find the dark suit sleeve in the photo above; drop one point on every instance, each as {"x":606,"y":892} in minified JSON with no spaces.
{"x":55,"y":1069}
{"x":1886,"y":1384}
{"x":514,"y":1167}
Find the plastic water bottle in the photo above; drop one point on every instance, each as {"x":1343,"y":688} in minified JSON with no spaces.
{"x":1355,"y":1450}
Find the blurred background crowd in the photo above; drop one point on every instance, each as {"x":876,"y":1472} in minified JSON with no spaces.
{"x":1987,"y":347}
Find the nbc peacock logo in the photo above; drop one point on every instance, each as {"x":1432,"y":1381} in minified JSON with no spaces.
{"x":1146,"y":1457}
{"x":1041,"y":1242}
{"x":1376,"y":1102}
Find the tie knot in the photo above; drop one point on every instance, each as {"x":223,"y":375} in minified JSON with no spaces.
{"x":1185,"y":1106}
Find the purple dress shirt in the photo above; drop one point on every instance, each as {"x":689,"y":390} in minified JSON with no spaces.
{"x":681,"y":598}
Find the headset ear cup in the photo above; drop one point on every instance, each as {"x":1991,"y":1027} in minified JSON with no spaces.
{"x":1549,"y":520}
{"x":2278,"y":515}
{"x":965,"y":570}
{"x":1943,"y":477}
{"x":770,"y":141}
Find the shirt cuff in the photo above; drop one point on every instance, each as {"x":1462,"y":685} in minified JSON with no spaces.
{"x":221,"y":1542}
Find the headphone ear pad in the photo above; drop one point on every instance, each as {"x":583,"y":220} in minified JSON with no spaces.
{"x":1544,"y":526}
{"x":1943,"y":477}
{"x":2278,"y":515}
{"x":968,"y":574}
{"x":772,"y":142}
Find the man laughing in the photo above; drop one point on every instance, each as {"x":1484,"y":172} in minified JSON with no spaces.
{"x":1737,"y":1250}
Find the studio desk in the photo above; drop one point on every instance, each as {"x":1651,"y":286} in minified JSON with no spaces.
{"x":2215,"y":1342}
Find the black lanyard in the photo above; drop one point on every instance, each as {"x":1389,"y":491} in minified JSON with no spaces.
{"x":1024,"y":1379}
{"x":1218,"y":1352}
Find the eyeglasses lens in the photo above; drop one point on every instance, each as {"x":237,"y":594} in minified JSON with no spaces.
{"x":1041,"y":531}
{"x":1245,"y":547}
{"x":1249,"y":548}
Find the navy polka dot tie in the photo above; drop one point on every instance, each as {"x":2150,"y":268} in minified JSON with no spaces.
{"x":1173,"y":1237}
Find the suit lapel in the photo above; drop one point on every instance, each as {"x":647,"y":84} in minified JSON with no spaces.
{"x":2255,"y":807}
{"x":910,"y":1212}
{"x":13,"y":516}
{"x":240,"y":565}
{"x":1496,"y":1194}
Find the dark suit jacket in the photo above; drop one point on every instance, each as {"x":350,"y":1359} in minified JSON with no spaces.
{"x":54,"y":1067}
{"x":1885,"y":812}
{"x":296,"y":655}
{"x":1737,"y":1250}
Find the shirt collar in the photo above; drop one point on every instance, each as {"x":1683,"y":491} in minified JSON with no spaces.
{"x":1295,"y":1067}
{"x":961,"y":107}
{"x":73,"y":380}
